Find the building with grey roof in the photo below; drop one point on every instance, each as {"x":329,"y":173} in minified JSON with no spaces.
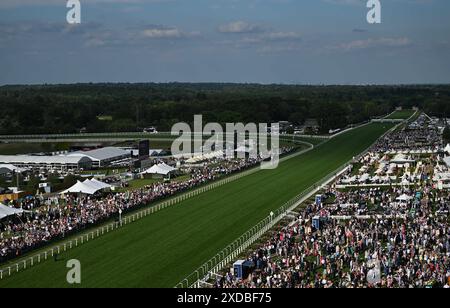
{"x":104,"y":156}
{"x":47,"y":162}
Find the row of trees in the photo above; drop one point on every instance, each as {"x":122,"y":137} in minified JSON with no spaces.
{"x":130,"y":107}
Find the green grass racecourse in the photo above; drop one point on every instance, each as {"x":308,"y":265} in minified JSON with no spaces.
{"x":162,"y":249}
{"x":401,"y":114}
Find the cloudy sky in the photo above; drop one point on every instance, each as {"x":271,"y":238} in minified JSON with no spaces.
{"x":264,"y":41}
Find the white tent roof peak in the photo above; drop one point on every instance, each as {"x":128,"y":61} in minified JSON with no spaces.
{"x":86,"y":187}
{"x":162,"y":169}
{"x":97,"y":184}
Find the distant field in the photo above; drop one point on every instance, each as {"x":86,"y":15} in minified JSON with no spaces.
{"x":162,"y":249}
{"x":401,"y":114}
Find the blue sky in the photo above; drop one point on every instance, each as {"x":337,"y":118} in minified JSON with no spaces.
{"x":264,"y":41}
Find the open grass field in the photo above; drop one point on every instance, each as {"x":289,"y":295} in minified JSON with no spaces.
{"x":162,"y":249}
{"x":401,"y":114}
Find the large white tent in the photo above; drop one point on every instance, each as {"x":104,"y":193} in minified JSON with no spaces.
{"x":81,"y":188}
{"x":88,"y":187}
{"x":8,"y":168}
{"x":161,"y":169}
{"x":6,"y":211}
{"x":97,"y":184}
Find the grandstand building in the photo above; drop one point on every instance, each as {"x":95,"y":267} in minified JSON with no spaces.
{"x":104,"y":156}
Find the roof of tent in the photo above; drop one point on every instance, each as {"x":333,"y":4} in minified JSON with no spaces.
{"x":167,"y":167}
{"x":102,"y":153}
{"x":29,"y":159}
{"x":11,"y":168}
{"x":82,"y":188}
{"x":162,"y":169}
{"x":97,"y":184}
{"x":6,"y":211}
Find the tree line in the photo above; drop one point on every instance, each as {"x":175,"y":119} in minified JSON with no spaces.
{"x":131,"y":107}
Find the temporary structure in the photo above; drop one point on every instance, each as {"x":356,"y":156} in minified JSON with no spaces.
{"x":97,"y":184}
{"x":6,"y":211}
{"x":160,"y":169}
{"x":82,"y":188}
{"x":8,"y":168}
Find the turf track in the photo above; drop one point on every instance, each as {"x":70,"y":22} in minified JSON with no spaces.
{"x":401,"y":114}
{"x":161,"y":249}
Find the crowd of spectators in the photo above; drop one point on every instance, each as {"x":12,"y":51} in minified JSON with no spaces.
{"x":419,"y":135}
{"x":362,"y":237}
{"x":398,"y":244}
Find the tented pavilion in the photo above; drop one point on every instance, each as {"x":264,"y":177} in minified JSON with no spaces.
{"x":88,"y":187}
{"x":6,"y":211}
{"x":159,"y":171}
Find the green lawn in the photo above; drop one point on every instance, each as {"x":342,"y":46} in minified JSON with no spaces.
{"x":401,"y":114}
{"x":162,"y":249}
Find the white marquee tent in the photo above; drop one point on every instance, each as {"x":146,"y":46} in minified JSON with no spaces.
{"x":97,"y":184}
{"x":7,"y":168}
{"x":88,"y":187}
{"x":6,"y":211}
{"x":161,"y":169}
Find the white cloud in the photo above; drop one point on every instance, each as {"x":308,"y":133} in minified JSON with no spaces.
{"x":374,"y":43}
{"x":162,"y":33}
{"x":240,"y":27}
